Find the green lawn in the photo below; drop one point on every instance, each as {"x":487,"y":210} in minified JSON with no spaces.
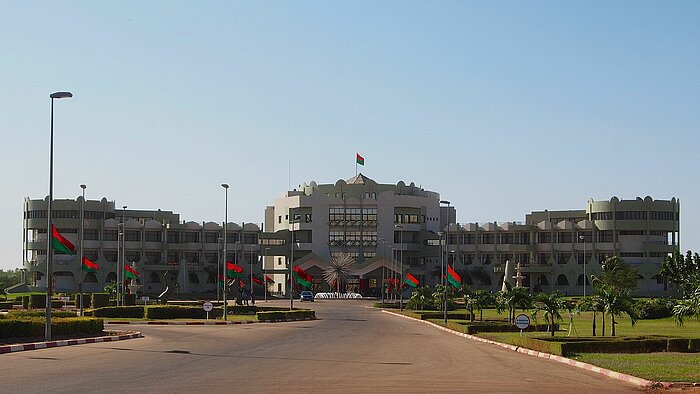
{"x":660,"y":367}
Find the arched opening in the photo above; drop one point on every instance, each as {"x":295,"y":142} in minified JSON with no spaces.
{"x":90,"y":277}
{"x":154,"y":278}
{"x":111,"y":277}
{"x":211,"y":278}
{"x":467,"y":279}
{"x":562,"y":280}
{"x":542,"y":280}
{"x":486,"y":280}
{"x":579,"y":281}
{"x":193,"y":278}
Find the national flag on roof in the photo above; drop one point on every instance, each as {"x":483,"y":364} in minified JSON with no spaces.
{"x":359,"y":159}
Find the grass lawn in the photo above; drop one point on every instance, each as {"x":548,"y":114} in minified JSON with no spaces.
{"x":661,"y":367}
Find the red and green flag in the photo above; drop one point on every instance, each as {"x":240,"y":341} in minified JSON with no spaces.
{"x":233,"y":270}
{"x":359,"y":159}
{"x":257,"y":281}
{"x":268,"y":279}
{"x":411,"y":280}
{"x":303,"y":278}
{"x":61,"y":244}
{"x":130,"y":273}
{"x":89,"y":266}
{"x":453,"y":277}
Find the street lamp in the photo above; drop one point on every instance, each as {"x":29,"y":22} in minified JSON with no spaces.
{"x":583,"y":238}
{"x":225,"y":186}
{"x":265,"y":253}
{"x":82,"y":238}
{"x":218,"y":270}
{"x":444,"y":276}
{"x":120,"y":269}
{"x":291,"y":263}
{"x":400,"y":284}
{"x":49,"y":228}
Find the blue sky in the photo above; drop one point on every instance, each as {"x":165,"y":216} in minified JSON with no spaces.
{"x":502,"y":107}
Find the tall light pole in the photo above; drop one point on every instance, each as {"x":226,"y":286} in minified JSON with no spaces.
{"x":218,"y":271}
{"x":120,"y":267}
{"x":291,"y":263}
{"x":444,"y":270}
{"x":265,"y":252}
{"x":400,"y":284}
{"x":82,"y":238}
{"x":49,"y":228}
{"x":583,"y":238}
{"x":381,"y":241}
{"x":225,"y":186}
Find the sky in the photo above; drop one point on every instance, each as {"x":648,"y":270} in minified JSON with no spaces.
{"x":503,"y":107}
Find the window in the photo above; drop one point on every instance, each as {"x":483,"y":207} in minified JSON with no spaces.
{"x":507,"y":238}
{"x":487,"y":238}
{"x":562,"y":281}
{"x":605,"y":236}
{"x":602,"y":216}
{"x":631,"y":254}
{"x":279,"y":219}
{"x":90,"y":254}
{"x":631,"y":232}
{"x":211,"y":237}
{"x":272,"y":241}
{"x":110,"y":255}
{"x":152,"y":257}
{"x":564,"y":238}
{"x":110,"y":235}
{"x":211,"y":257}
{"x":154,"y":236}
{"x":279,"y":261}
{"x":369,"y":214}
{"x":132,"y":255}
{"x":91,"y":234}
{"x":250,"y":238}
{"x":173,"y":237}
{"x":563,"y":258}
{"x":191,"y":257}
{"x":133,"y":236}
{"x":172,"y":258}
{"x":191,"y":236}
{"x":307,"y":218}
{"x":630,"y":215}
{"x":657,"y":215}
{"x":544,"y":237}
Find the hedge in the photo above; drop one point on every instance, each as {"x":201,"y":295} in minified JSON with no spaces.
{"x":299,"y":314}
{"x":100,"y":300}
{"x":28,"y":314}
{"x":654,"y":308}
{"x":180,"y":312}
{"x":86,"y":300}
{"x":34,"y":328}
{"x":135,"y":312}
{"x":6,"y":304}
{"x":571,"y":346}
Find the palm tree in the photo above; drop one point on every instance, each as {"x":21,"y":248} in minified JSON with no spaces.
{"x":689,"y":306}
{"x":616,"y":274}
{"x":482,"y":300}
{"x":550,"y":304}
{"x":616,"y":302}
{"x":591,"y":303}
{"x":339,"y":269}
{"x":511,"y":299}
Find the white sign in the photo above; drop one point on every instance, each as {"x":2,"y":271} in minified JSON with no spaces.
{"x":145,"y":298}
{"x":522,"y":321}
{"x":208,"y":306}
{"x":65,"y":299}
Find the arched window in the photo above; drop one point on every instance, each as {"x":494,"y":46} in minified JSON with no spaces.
{"x":90,"y":277}
{"x":111,"y":277}
{"x":542,"y":280}
{"x":562,"y":281}
{"x":154,"y":278}
{"x":579,"y":281}
{"x":194,"y":279}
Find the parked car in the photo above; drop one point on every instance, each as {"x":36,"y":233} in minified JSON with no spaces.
{"x":306,"y":296}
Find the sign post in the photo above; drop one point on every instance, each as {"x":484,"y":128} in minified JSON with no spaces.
{"x":522,"y":321}
{"x":145,"y":300}
{"x":208,"y":307}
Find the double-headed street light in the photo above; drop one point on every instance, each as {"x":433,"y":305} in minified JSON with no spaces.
{"x":225,"y":186}
{"x":49,"y":228}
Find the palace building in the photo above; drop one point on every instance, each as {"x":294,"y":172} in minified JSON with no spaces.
{"x":387,"y":229}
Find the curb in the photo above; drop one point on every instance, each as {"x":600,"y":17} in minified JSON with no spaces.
{"x":643,"y":383}
{"x":68,"y":342}
{"x":201,"y":323}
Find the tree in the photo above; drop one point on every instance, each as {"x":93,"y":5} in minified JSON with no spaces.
{"x":689,"y":306}
{"x":439,"y":297}
{"x":591,"y":303}
{"x":483,"y":299}
{"x":420,"y":297}
{"x":10,"y":277}
{"x":550,"y":304}
{"x":682,"y":271}
{"x":616,"y":274}
{"x":339,"y":269}
{"x":616,"y":302}
{"x":511,"y":299}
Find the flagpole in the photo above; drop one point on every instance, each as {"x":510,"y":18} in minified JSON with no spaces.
{"x":225,"y":186}
{"x":291,"y":265}
{"x":82,"y":237}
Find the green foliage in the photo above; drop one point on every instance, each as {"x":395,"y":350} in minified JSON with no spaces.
{"x":297,"y":314}
{"x":654,"y":308}
{"x":180,"y":312}
{"x":682,"y":271}
{"x":616,"y":302}
{"x":100,"y":300}
{"x":135,"y":312}
{"x":28,"y":314}
{"x":689,"y":306}
{"x":550,"y":304}
{"x":34,"y":327}
{"x":514,"y":297}
{"x":86,"y":300}
{"x":438,"y":298}
{"x":37,"y":301}
{"x":616,"y":274}
{"x":421,"y":298}
{"x":9,"y":278}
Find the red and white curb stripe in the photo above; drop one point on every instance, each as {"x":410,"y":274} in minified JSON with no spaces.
{"x":183,"y":323}
{"x":578,"y":364}
{"x":68,"y":342}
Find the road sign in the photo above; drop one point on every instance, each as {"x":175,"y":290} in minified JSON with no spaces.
{"x":208,"y":306}
{"x":145,"y":298}
{"x":65,"y":299}
{"x":522,"y":321}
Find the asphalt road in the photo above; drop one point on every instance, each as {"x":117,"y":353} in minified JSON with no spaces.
{"x":351,"y":348}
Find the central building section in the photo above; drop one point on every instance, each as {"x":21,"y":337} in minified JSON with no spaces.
{"x":380,"y":226}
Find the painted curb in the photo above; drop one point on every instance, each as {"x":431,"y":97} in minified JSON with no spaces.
{"x":578,"y":364}
{"x":201,"y":323}
{"x":67,"y":342}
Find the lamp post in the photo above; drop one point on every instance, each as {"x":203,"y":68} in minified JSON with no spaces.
{"x":291,"y":263}
{"x":381,"y":240}
{"x":49,"y":228}
{"x":444,"y":270}
{"x":400,"y":284}
{"x":218,"y":271}
{"x":583,"y":238}
{"x":265,"y":252}
{"x":225,"y":186}
{"x":82,"y":254}
{"x":120,"y":267}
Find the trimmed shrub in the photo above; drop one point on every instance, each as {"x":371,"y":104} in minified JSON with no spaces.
{"x":129,"y":299}
{"x":29,"y":314}
{"x":135,"y":312}
{"x":37,"y":301}
{"x":654,"y":308}
{"x":25,"y":302}
{"x":34,"y":328}
{"x":539,"y":345}
{"x":6,"y":304}
{"x":694,"y":345}
{"x":86,"y":300}
{"x":300,"y":314}
{"x":77,"y":325}
{"x":180,"y":312}
{"x":100,"y":300}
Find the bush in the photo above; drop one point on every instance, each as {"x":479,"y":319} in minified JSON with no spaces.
{"x":6,"y":305}
{"x":694,"y":345}
{"x":86,"y":300}
{"x":25,"y":302}
{"x":37,"y":301}
{"x":29,"y":314}
{"x":100,"y":300}
{"x":180,"y":312}
{"x":654,"y":308}
{"x":34,"y":328}
{"x":129,"y":299}
{"x":135,"y":312}
{"x":298,"y":314}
